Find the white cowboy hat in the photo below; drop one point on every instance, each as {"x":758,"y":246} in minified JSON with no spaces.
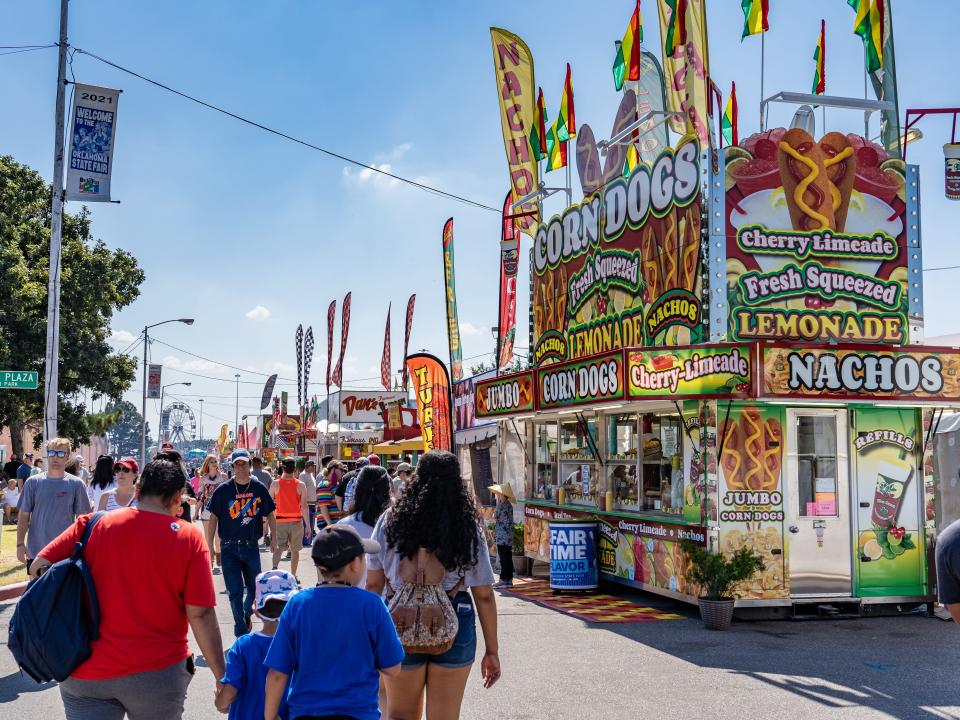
{"x":504,"y":489}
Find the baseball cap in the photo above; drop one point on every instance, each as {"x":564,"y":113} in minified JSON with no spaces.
{"x":337,"y":545}
{"x":240,"y":454}
{"x":362,"y":462}
{"x":128,"y":462}
{"x":274,"y":585}
{"x":310,"y":463}
{"x":404,"y":467}
{"x":167,"y":446}
{"x":374,"y":459}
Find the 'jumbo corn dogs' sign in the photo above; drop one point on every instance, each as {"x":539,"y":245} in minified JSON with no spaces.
{"x":861,"y":373}
{"x":622,"y":267}
{"x":816,"y":241}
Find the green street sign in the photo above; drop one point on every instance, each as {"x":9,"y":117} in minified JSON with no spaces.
{"x":19,"y":379}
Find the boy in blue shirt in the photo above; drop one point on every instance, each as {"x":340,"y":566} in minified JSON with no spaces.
{"x":333,"y":669}
{"x":243,"y":684}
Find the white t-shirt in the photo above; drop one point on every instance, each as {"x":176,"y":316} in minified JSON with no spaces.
{"x":12,"y":497}
{"x":96,"y":492}
{"x":480,"y":571}
{"x":364,"y":531}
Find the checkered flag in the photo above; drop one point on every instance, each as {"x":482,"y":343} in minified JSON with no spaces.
{"x":299,"y":344}
{"x":307,"y":362}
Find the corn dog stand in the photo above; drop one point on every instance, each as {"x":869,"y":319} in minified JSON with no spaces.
{"x":728,"y":349}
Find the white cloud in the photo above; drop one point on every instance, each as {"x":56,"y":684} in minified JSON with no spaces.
{"x":469,"y":329}
{"x":364,"y":177}
{"x":259,"y":313}
{"x":121,"y":337}
{"x":400,"y":150}
{"x":193,"y":365}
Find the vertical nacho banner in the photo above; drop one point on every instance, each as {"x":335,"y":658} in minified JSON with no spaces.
{"x":90,"y":165}
{"x":450,"y":287}
{"x":408,"y":326}
{"x":344,"y":331}
{"x":431,"y":387}
{"x":686,"y":68}
{"x":516,"y":90}
{"x":509,"y":262}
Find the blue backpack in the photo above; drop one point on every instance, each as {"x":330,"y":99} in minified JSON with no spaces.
{"x":51,"y":630}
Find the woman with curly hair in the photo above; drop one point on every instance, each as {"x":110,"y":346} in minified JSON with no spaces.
{"x":437,"y":512}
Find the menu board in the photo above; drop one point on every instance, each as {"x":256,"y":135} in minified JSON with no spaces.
{"x":816,"y":239}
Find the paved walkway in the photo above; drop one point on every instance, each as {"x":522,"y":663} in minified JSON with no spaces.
{"x":557,"y":666}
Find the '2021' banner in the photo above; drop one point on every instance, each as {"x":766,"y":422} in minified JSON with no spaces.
{"x":90,"y":163}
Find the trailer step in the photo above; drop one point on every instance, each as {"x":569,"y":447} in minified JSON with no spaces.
{"x":832,"y":610}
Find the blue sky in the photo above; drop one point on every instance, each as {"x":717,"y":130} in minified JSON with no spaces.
{"x":226,"y":219}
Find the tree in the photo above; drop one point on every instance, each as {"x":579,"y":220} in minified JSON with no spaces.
{"x":95,"y":282}
{"x":125,"y":431}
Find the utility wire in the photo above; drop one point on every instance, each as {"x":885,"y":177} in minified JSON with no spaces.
{"x":24,"y":49}
{"x":286,"y":136}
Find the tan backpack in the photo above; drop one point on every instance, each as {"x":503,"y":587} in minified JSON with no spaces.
{"x":421,"y":610}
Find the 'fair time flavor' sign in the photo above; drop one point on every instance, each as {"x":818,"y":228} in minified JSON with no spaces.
{"x":689,"y":372}
{"x":581,"y":382}
{"x":816,"y":242}
{"x":861,"y":372}
{"x":621,"y":268}
{"x":504,"y":395}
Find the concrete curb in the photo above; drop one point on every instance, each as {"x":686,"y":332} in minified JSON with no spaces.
{"x":10,"y":592}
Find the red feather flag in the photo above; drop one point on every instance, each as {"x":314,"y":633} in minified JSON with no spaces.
{"x":385,"y":359}
{"x":406,"y":338}
{"x":344,"y":331}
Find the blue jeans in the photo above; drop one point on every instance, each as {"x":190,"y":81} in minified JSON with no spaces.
{"x":312,"y":509}
{"x":240,"y":561}
{"x":464,"y":650}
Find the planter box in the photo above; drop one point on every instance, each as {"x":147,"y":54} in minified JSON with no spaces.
{"x":716,"y":614}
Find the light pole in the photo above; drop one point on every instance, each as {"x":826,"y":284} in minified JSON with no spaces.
{"x":162,"y":388}
{"x":143,"y":407}
{"x":201,"y":419}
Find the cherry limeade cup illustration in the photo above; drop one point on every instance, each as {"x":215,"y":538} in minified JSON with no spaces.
{"x":892,"y":479}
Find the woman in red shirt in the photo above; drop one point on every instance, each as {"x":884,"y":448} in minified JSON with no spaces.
{"x":152,"y":574}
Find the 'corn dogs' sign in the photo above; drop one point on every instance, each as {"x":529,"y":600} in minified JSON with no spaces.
{"x":622,"y":268}
{"x":581,"y":382}
{"x":816,"y":239}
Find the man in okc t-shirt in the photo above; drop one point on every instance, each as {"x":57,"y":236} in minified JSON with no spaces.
{"x":237,"y":510}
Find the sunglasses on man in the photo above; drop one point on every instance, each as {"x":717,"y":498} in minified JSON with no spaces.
{"x":58,"y":453}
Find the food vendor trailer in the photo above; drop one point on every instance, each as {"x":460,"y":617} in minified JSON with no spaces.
{"x":728,"y":349}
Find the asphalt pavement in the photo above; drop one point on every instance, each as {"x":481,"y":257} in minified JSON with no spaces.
{"x":557,"y":667}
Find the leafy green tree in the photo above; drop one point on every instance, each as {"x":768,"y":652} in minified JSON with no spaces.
{"x":95,"y":282}
{"x":124,"y":433}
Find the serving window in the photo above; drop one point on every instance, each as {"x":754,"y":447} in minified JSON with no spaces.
{"x":662,"y":477}
{"x":545,"y":469}
{"x":622,"y":461}
{"x":580,"y":477}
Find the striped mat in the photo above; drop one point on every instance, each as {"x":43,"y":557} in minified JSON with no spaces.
{"x":592,"y":607}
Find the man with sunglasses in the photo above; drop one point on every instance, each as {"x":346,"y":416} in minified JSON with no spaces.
{"x":49,"y":502}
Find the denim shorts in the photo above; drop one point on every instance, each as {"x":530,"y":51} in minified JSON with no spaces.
{"x":464,"y":650}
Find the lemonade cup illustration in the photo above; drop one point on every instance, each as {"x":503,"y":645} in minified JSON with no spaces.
{"x":892,"y":479}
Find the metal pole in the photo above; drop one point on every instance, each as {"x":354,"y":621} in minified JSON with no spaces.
{"x":763,"y":53}
{"x":160,"y":419}
{"x":569,"y":188}
{"x":143,"y":404}
{"x":201,"y":419}
{"x":51,"y":384}
{"x":236,"y":413}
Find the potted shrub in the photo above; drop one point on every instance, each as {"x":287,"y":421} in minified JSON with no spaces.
{"x":716,"y":574}
{"x":519,"y":559}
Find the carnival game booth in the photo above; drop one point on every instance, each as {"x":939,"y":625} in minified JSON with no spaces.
{"x":819,"y":458}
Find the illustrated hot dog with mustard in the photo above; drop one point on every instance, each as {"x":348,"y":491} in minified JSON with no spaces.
{"x":805,"y":182}
{"x":840,"y":163}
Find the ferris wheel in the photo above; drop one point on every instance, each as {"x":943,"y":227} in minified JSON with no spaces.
{"x":178,"y":423}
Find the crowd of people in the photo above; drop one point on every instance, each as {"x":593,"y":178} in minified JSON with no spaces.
{"x":330,"y":651}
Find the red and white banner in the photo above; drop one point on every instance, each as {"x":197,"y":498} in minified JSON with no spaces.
{"x":509,"y":262}
{"x":331,"y":313}
{"x":385,"y":358}
{"x":406,"y":337}
{"x":344,"y":331}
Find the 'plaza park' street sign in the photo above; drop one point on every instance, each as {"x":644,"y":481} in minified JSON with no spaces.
{"x":19,"y":379}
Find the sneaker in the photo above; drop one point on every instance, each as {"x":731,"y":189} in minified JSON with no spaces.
{"x":503,"y":584}
{"x":216,"y":571}
{"x":287,"y":555}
